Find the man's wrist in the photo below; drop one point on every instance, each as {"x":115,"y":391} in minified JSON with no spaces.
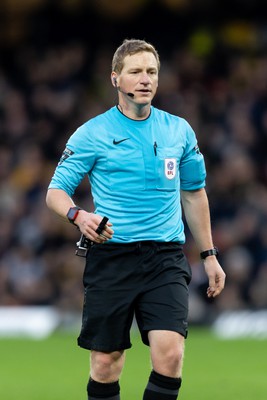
{"x":72,"y":214}
{"x":211,"y":252}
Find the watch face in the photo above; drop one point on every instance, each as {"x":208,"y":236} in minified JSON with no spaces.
{"x":72,"y":213}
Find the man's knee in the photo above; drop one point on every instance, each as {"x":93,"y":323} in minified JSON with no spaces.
{"x":173,"y":357}
{"x":169,"y":363}
{"x":106,"y":367}
{"x":167,"y":351}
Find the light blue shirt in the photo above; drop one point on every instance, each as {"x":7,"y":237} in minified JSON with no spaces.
{"x":136,"y":170}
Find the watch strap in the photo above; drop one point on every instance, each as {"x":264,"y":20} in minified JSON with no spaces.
{"x":210,"y":252}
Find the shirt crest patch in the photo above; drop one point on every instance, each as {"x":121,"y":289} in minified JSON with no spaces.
{"x":66,"y":153}
{"x":170,"y":167}
{"x":196,"y":148}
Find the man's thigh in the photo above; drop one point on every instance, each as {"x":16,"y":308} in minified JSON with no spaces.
{"x":164,"y":308}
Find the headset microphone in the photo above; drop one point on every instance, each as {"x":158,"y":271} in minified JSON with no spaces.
{"x":119,"y":89}
{"x":128,"y":94}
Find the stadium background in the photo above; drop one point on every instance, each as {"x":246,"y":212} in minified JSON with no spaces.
{"x":54,"y":74}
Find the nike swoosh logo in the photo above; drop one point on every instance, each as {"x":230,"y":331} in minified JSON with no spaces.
{"x":119,"y":141}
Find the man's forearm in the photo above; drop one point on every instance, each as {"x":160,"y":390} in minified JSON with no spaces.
{"x":197,"y":214}
{"x":59,"y":201}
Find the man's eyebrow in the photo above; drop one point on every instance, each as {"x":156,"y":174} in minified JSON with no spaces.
{"x":135,"y":69}
{"x":132,"y":69}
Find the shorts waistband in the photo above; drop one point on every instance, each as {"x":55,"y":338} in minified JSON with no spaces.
{"x":143,"y":243}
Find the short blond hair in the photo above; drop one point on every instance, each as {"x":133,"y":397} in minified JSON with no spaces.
{"x":130,"y":47}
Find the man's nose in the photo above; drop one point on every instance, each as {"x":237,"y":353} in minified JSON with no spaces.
{"x":145,"y":78}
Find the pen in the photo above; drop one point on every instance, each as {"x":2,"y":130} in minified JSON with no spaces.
{"x":155,"y":148}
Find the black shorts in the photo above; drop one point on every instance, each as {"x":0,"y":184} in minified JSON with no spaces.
{"x":148,"y":280}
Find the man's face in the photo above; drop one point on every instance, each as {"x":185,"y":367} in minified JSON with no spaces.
{"x":139,"y":76}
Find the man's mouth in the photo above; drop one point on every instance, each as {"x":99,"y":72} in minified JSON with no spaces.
{"x":145,"y":91}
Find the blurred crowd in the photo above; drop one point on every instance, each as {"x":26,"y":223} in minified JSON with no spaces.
{"x":45,"y":94}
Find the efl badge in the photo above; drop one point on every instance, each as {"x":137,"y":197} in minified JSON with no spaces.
{"x":170,"y":168}
{"x":66,"y":154}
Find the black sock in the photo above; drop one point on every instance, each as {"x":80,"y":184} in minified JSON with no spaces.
{"x":108,"y":391}
{"x":162,"y":387}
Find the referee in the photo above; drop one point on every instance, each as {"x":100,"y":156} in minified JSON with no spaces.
{"x":142,"y":164}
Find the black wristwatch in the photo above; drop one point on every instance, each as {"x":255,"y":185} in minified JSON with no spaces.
{"x":207,"y":253}
{"x":73,"y":214}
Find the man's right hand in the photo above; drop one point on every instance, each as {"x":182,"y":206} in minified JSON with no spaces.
{"x":88,"y":224}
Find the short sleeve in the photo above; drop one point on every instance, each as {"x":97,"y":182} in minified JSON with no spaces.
{"x":76,"y":161}
{"x":192,"y":164}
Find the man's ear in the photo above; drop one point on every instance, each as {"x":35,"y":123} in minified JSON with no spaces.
{"x":114,"y":79}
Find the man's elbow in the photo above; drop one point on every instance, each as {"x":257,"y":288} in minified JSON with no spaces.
{"x":52,"y":197}
{"x":48,"y":198}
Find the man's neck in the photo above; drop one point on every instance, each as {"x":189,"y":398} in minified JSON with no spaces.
{"x":137,"y":112}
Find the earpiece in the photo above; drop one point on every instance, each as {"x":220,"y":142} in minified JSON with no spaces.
{"x":115,"y":81}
